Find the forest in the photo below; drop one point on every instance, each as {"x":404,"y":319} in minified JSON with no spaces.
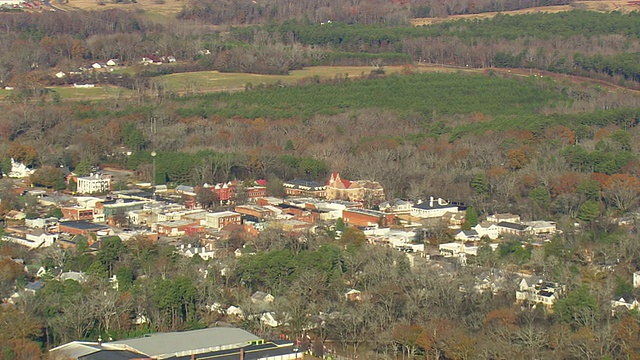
{"x":533,"y":114}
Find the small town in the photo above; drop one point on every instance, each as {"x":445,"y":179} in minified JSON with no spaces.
{"x":218,"y":222}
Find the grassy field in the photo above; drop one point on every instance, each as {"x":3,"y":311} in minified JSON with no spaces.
{"x":205,"y":81}
{"x":99,"y":92}
{"x":596,"y":5}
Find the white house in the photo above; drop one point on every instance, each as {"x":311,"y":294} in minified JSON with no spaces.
{"x":96,"y":66}
{"x":496,"y":218}
{"x":630,"y":304}
{"x":396,"y":206}
{"x":61,"y":75}
{"x":467,"y":235}
{"x":433,"y":208}
{"x":113,"y":62}
{"x":487,"y":229}
{"x":19,"y":170}
{"x":542,"y":227}
{"x":538,"y":291}
{"x":83,"y":86}
{"x":95,"y":183}
{"x":42,"y":238}
{"x":205,"y":252}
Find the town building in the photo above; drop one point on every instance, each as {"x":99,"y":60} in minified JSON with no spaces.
{"x":218,"y":220}
{"x":367,"y":191}
{"x":367,"y":218}
{"x":299,"y":187}
{"x":211,"y":343}
{"x":435,"y":208}
{"x":93,"y":184}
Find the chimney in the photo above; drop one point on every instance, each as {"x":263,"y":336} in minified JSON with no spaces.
{"x":431,"y":201}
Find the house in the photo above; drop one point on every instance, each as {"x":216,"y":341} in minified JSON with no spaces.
{"x":509,"y":228}
{"x":367,"y":218}
{"x":73,"y":275}
{"x":93,"y":184}
{"x":467,"y":235}
{"x":542,"y":227}
{"x":630,"y":303}
{"x":218,"y":220}
{"x":83,"y":85}
{"x":96,"y":66}
{"x":235,"y":311}
{"x":61,"y":75}
{"x":15,"y":215}
{"x":113,"y":62}
{"x":396,"y":206}
{"x":299,"y":187}
{"x":42,"y":237}
{"x":487,"y":229}
{"x":171,"y":59}
{"x":19,"y":170}
{"x":361,"y":191}
{"x":537,"y":291}
{"x":261,"y":298}
{"x":42,"y":223}
{"x":435,"y":208}
{"x":206,"y":252}
{"x":496,"y":218}
{"x":453,"y":249}
{"x":636,"y":279}
{"x":173,"y":227}
{"x":353,"y":295}
{"x":269,"y":320}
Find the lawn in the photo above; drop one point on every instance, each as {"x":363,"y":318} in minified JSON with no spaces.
{"x":98,"y":92}
{"x":205,"y":81}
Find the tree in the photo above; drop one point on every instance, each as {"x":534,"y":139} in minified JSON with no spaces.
{"x":353,"y":237}
{"x":622,"y":191}
{"x":471,"y":216}
{"x":83,"y":168}
{"x":480,"y":184}
{"x":588,"y":211}
{"x":49,"y":177}
{"x":206,"y":197}
{"x":578,"y":309}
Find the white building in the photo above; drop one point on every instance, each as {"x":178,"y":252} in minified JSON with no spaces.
{"x":434,"y":208}
{"x":487,"y":229}
{"x":218,"y":220}
{"x":538,"y":291}
{"x":95,"y":183}
{"x":19,"y":170}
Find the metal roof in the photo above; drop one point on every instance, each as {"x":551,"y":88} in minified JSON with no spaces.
{"x":163,"y":345}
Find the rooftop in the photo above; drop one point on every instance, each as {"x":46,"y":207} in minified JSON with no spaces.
{"x":164,"y":345}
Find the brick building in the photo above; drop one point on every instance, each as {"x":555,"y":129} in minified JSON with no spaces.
{"x":299,"y":187}
{"x":218,"y":220}
{"x":77,"y":213}
{"x":366,"y":218}
{"x":367,"y":191}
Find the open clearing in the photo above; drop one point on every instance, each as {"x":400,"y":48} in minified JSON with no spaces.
{"x":209,"y":81}
{"x":214,"y":81}
{"x":601,"y":6}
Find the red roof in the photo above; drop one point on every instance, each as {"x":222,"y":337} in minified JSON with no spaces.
{"x":336,"y":176}
{"x":261,"y":182}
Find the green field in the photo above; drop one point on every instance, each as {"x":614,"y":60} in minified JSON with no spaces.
{"x":98,"y":92}
{"x":217,"y":81}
